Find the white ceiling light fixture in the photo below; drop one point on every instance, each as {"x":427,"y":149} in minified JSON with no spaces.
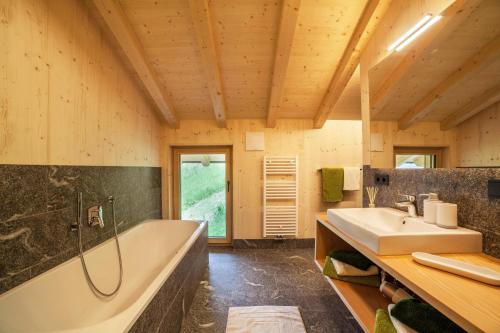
{"x":425,"y":23}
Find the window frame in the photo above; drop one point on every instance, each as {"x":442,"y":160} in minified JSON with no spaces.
{"x":438,"y":152}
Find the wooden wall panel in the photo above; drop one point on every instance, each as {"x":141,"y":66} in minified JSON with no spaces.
{"x":66,"y":98}
{"x":479,"y":139}
{"x":425,"y":134}
{"x":338,"y":143}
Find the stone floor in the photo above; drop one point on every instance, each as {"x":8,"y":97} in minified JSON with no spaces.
{"x":266,"y":277}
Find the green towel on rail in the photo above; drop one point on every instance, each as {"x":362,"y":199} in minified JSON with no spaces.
{"x":333,"y":184}
{"x":383,"y":323}
{"x":422,"y":317}
{"x":329,"y":270}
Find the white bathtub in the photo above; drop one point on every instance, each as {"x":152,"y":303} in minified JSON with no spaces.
{"x":60,"y":299}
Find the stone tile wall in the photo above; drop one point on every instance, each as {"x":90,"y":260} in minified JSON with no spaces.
{"x":38,"y":205}
{"x":466,"y":187}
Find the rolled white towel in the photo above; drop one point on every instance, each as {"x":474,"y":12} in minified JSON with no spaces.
{"x":344,"y":269}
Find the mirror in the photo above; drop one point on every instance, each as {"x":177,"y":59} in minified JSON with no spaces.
{"x":435,"y":102}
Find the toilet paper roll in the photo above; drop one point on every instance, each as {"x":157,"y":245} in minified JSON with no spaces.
{"x":446,"y":215}
{"x":430,"y":210}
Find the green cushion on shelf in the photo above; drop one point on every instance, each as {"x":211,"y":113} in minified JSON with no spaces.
{"x":352,"y":258}
{"x":329,"y":270}
{"x":383,"y":323}
{"x":422,"y":317}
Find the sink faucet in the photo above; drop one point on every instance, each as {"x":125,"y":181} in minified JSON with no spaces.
{"x":409,"y":203}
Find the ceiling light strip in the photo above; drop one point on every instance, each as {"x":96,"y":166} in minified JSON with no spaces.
{"x":409,"y":32}
{"x":418,"y":33}
{"x":422,"y":25}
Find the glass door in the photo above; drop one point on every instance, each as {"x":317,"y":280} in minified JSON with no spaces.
{"x":202,"y":188}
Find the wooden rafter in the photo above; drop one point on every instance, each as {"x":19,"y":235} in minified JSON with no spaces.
{"x":118,"y":23}
{"x":476,"y":105}
{"x":373,"y":11}
{"x":204,"y":35}
{"x":288,"y":23}
{"x":422,"y":108}
{"x":453,"y":16}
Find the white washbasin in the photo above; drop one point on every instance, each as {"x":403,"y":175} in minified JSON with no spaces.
{"x":383,"y":231}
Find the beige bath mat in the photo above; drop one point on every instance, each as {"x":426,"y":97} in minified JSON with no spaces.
{"x":265,"y":319}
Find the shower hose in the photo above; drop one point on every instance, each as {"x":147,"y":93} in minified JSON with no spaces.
{"x":94,"y":288}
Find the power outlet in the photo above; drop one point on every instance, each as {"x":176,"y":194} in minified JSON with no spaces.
{"x":381,"y":179}
{"x":494,"y":188}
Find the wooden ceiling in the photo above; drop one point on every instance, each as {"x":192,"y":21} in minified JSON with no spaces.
{"x":224,"y":59}
{"x":456,"y":70}
{"x":227,"y":59}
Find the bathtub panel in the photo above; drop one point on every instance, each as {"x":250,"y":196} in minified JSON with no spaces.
{"x":172,"y":321}
{"x":166,"y":311}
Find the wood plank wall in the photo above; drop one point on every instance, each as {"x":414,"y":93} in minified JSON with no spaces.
{"x":478,"y":139}
{"x":65,"y":97}
{"x":338,"y":143}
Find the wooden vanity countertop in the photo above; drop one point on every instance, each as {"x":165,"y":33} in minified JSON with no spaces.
{"x":472,"y":304}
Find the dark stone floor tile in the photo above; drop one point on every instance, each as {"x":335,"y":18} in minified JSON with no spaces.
{"x":205,"y":322}
{"x":298,"y":256}
{"x":253,"y":277}
{"x":325,"y":322}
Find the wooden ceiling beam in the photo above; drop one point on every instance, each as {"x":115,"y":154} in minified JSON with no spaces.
{"x":453,"y":16}
{"x":117,"y":22}
{"x":288,"y":23}
{"x":372,"y":13}
{"x":204,"y":35}
{"x":422,"y":108}
{"x":476,"y":105}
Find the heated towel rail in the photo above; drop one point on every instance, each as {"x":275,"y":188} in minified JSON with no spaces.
{"x":280,"y":196}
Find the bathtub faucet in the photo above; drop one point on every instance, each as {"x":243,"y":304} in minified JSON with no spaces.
{"x":95,"y":214}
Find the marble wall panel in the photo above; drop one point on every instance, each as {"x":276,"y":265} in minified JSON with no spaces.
{"x":38,"y":205}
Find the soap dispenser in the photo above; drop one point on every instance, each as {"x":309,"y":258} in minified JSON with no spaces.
{"x":430,"y":207}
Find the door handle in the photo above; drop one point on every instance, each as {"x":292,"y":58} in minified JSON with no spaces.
{"x":227,"y":186}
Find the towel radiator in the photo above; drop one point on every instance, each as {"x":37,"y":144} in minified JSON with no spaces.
{"x":280,"y":196}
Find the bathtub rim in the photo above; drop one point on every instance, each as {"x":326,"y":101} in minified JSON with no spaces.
{"x":124,"y":320}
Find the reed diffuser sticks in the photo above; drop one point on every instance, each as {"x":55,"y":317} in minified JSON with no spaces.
{"x":372,"y":194}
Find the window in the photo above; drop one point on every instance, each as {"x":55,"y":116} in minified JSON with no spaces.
{"x":417,"y":157}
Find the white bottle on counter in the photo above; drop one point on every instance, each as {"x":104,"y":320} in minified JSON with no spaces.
{"x":430,"y":207}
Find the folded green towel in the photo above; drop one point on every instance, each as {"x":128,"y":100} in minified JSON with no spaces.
{"x":329,"y":270}
{"x":352,"y":258}
{"x":383,"y":323}
{"x":333,"y":184}
{"x":423,"y":318}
